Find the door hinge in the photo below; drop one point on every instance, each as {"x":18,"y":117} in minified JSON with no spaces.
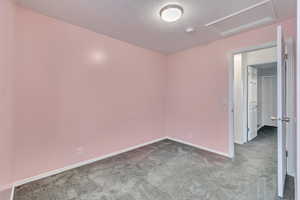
{"x":286,"y":153}
{"x":286,"y":56}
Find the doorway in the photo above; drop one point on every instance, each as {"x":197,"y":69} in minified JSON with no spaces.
{"x":252,"y":103}
{"x":261,"y":97}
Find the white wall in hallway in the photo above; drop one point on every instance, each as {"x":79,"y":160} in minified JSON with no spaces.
{"x":269,"y":100}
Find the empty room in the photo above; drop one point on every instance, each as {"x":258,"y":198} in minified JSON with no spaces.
{"x":149,"y":100}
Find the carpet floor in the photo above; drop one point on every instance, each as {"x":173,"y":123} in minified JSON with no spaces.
{"x":169,"y":170}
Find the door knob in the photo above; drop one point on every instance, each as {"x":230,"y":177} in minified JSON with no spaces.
{"x":275,"y":118}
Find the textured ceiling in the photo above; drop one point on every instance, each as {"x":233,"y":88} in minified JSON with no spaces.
{"x":138,"y":21}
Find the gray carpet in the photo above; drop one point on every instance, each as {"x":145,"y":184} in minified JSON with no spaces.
{"x":168,"y":170}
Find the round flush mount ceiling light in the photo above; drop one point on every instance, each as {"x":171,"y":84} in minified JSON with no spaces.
{"x":171,"y":13}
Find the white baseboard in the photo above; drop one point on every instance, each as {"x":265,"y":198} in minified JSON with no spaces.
{"x":262,"y":125}
{"x":200,"y":147}
{"x":57,"y":171}
{"x":238,"y":142}
{"x":79,"y":164}
{"x":12,"y":193}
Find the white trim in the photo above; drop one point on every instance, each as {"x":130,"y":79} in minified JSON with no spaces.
{"x":244,"y":106}
{"x":262,"y":125}
{"x":281,"y":143}
{"x":291,"y":107}
{"x":231,"y":106}
{"x":12,"y":193}
{"x":200,"y":147}
{"x":79,"y":164}
{"x":57,"y":171}
{"x":238,"y":142}
{"x":239,"y":12}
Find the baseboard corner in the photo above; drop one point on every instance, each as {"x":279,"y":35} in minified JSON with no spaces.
{"x":200,"y":147}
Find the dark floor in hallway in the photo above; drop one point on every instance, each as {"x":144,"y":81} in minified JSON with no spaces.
{"x":169,"y":170}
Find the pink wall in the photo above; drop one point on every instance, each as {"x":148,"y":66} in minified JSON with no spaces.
{"x":6,"y":64}
{"x":197,"y":100}
{"x":80,"y":95}
{"x":5,"y":194}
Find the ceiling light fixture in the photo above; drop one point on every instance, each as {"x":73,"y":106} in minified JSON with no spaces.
{"x":171,"y":13}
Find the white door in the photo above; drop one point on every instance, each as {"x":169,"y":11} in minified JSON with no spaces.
{"x":252,"y":103}
{"x":269,"y":100}
{"x":281,"y":110}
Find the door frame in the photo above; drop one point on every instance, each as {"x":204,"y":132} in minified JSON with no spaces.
{"x":231,"y":90}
